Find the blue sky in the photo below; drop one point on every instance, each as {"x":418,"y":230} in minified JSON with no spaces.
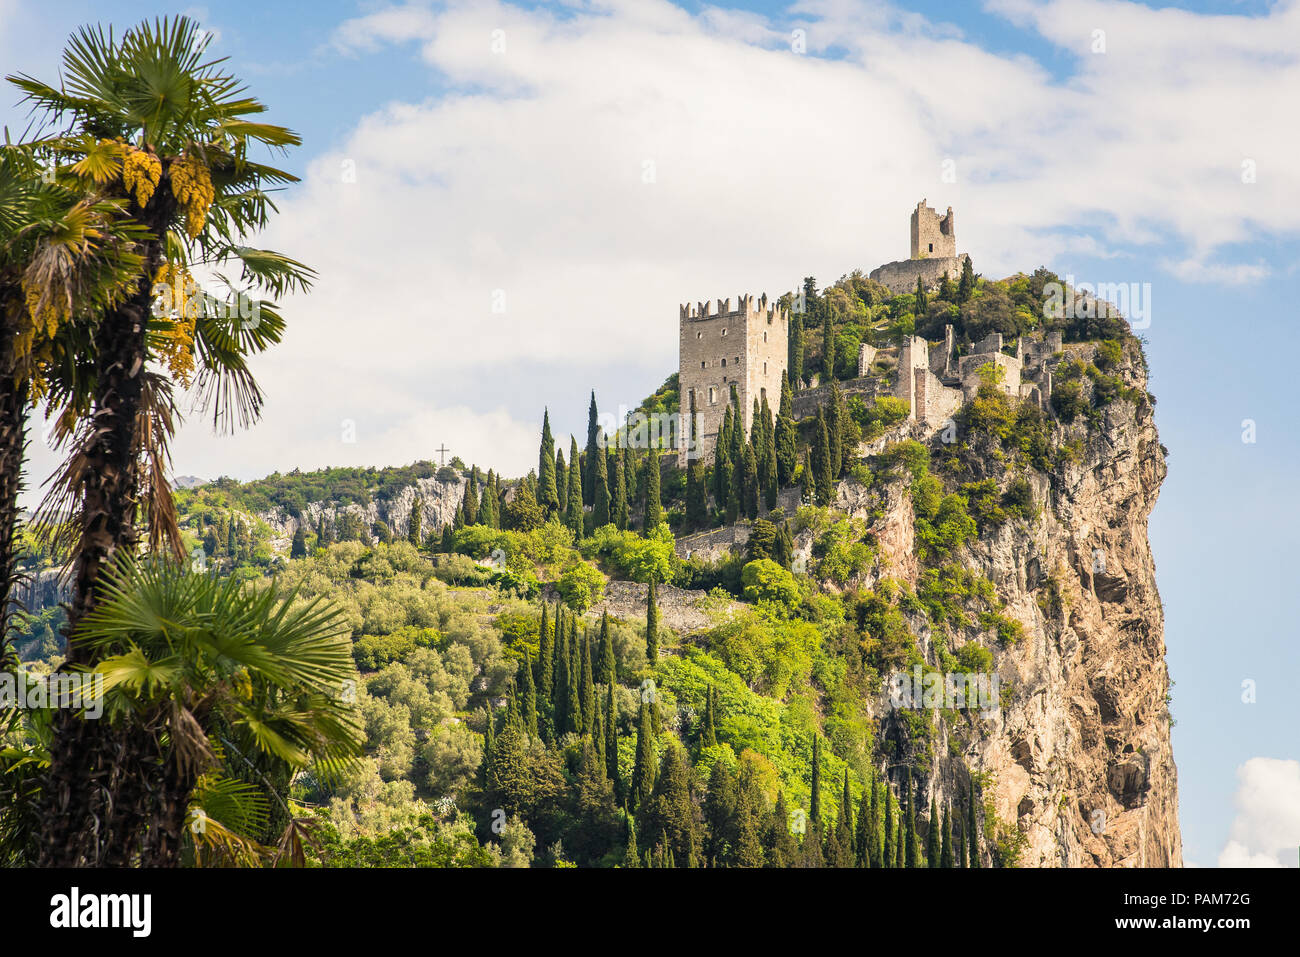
{"x":524,"y":171}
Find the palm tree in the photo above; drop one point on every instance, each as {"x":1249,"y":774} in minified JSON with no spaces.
{"x":147,"y":122}
{"x":223,"y":689}
{"x":62,"y":255}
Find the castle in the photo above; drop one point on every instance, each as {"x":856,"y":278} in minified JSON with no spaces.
{"x":746,"y":350}
{"x":934,"y":254}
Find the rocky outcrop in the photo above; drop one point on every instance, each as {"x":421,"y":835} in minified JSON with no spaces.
{"x":438,"y":501}
{"x":1078,"y":758}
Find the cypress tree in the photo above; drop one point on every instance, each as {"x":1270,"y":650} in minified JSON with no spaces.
{"x":577,"y":717}
{"x":862,"y":839}
{"x":602,"y":512}
{"x":643,"y":771}
{"x":620,"y":494}
{"x":561,"y":483}
{"x":710,"y":719}
{"x":588,"y":687}
{"x":414,"y":522}
{"x":671,"y":808}
{"x":900,"y":842}
{"x":873,"y":834}
{"x":598,"y":737}
{"x":560,"y":694}
{"x":611,"y":739}
{"x":470,"y":502}
{"x":945,"y":849}
{"x":573,"y":500}
{"x":887,"y":859}
{"x":785,"y":435}
{"x":966,"y":288}
{"x":490,"y":504}
{"x":651,"y":624}
{"x":751,"y":484}
{"x":960,"y":860}
{"x":719,"y":815}
{"x":909,"y":823}
{"x":654,"y":513}
{"x":770,"y":483}
{"x":807,"y":483}
{"x":489,"y":735}
{"x":593,"y":434}
{"x":824,"y":479}
{"x":972,"y":830}
{"x":530,"y":697}
{"x":604,"y":660}
{"x":448,"y":538}
{"x":781,"y":847}
{"x":299,"y":547}
{"x":749,"y":841}
{"x":815,"y":786}
{"x":722,"y":463}
{"x":630,"y":858}
{"x":922,"y":306}
{"x":835,"y":412}
{"x":547,"y":494}
{"x":697,"y":496}
{"x":796,"y":349}
{"x":324,"y":532}
{"x":828,"y":346}
{"x":932,"y":841}
{"x":629,"y":479}
{"x":845,"y":825}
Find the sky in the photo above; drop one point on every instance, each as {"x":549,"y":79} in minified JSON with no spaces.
{"x":507,"y":202}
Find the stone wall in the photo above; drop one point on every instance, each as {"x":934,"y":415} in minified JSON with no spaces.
{"x":900,"y":277}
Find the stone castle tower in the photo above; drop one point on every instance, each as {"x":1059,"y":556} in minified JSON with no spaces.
{"x":745,"y":348}
{"x":934,"y":254}
{"x":932,"y":234}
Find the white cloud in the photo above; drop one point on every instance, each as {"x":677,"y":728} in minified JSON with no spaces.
{"x":621,"y":157}
{"x":1266,"y":829}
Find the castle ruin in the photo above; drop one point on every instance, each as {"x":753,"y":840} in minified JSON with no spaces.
{"x":934,"y":254}
{"x":743,"y":349}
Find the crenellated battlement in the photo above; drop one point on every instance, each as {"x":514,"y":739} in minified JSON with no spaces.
{"x":747,"y":307}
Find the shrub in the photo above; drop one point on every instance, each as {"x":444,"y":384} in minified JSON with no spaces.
{"x":581,"y":586}
{"x":765,"y":580}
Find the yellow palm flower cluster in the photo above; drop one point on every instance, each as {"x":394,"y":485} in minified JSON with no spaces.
{"x":192,"y":186}
{"x":174,"y":344}
{"x":46,"y":312}
{"x":140,"y":175}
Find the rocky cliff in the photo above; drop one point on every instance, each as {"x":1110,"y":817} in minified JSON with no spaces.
{"x":1076,"y":763}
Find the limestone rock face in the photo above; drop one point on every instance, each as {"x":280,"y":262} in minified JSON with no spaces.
{"x":438,"y":502}
{"x":1079,"y":757}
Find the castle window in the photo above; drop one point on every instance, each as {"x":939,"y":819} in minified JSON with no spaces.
{"x":724,"y":332}
{"x":699,"y":335}
{"x":713,"y":396}
{"x":765,"y":336}
{"x":764,"y":371}
{"x":737,"y":360}
{"x":724,"y":363}
{"x":704,"y":365}
{"x":932,"y":247}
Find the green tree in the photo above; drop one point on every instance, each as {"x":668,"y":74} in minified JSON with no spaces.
{"x":621,"y":515}
{"x":785,"y":436}
{"x":573,"y":500}
{"x":651,"y":623}
{"x":945,"y":849}
{"x":414,"y":522}
{"x":547,"y":494}
{"x":932,"y":843}
{"x":593,"y":446}
{"x":966,"y":287}
{"x":653,"y":509}
{"x":643,"y":771}
{"x":299,"y":547}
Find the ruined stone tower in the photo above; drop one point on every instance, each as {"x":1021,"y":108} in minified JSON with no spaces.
{"x":934,"y":254}
{"x":932,"y":234}
{"x":745,"y":348}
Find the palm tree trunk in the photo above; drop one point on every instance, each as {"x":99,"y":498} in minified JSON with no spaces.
{"x":97,"y":795}
{"x":13,"y":426}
